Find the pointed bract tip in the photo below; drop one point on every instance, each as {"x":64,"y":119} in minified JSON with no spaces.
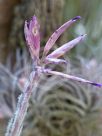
{"x":76,"y":18}
{"x":84,"y":35}
{"x":96,"y":84}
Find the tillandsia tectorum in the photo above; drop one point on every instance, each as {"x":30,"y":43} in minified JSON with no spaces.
{"x":32,"y":36}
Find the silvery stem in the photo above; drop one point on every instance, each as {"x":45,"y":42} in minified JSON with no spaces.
{"x":16,"y":123}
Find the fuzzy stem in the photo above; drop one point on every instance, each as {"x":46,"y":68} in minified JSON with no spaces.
{"x":16,"y":123}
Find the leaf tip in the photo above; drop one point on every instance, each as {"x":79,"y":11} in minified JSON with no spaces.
{"x":76,"y":18}
{"x":96,"y":84}
{"x":83,"y":36}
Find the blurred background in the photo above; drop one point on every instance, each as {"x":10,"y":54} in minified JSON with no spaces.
{"x":60,"y":107}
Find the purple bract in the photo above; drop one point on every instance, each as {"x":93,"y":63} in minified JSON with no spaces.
{"x":32,"y":36}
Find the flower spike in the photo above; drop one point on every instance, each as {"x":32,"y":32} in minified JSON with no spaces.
{"x":66,"y":47}
{"x":57,"y":34}
{"x":32,"y":36}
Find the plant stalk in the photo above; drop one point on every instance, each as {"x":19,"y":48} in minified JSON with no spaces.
{"x":16,"y":123}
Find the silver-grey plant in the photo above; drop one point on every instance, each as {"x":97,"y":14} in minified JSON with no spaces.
{"x":32,"y":36}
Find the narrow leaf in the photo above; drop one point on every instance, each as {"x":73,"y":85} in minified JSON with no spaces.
{"x":57,"y":34}
{"x":66,"y":47}
{"x":62,"y":75}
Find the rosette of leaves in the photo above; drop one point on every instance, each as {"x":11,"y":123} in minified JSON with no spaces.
{"x":63,"y":109}
{"x":60,"y":108}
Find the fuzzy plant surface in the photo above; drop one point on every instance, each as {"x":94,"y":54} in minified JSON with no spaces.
{"x":61,"y":107}
{"x":40,"y":66}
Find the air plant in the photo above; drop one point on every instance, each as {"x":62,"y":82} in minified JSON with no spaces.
{"x":32,"y":36}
